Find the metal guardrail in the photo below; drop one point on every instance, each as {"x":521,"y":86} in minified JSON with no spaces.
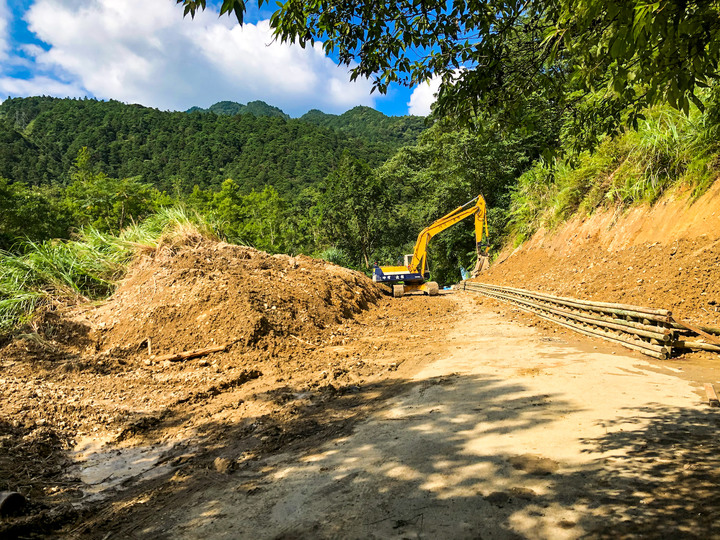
{"x":650,"y":331}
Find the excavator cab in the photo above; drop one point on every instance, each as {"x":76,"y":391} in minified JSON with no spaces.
{"x":413,"y":275}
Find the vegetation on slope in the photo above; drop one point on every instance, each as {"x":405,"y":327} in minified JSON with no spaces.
{"x":359,"y":211}
{"x":668,"y":149}
{"x":368,"y":124}
{"x":174,"y":151}
{"x":84,"y":268}
{"x":256,"y":108}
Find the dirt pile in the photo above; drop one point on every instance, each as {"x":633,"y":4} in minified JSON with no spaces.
{"x":295,"y":340}
{"x":213,"y":293}
{"x":664,"y":257}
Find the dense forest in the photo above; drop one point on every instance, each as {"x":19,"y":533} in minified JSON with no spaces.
{"x":256,"y":146}
{"x":353,"y":188}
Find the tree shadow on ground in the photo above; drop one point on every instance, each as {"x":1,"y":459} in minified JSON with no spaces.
{"x":419,"y":469}
{"x":661,"y":479}
{"x":314,"y":426}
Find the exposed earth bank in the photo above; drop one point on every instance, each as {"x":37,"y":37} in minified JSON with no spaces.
{"x":667,"y":256}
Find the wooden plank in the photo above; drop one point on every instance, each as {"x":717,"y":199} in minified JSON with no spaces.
{"x":656,"y":332}
{"x":711,"y":395}
{"x":708,"y":329}
{"x":187,"y":355}
{"x":581,"y":304}
{"x":683,"y":344}
{"x":644,"y":347}
{"x":700,"y":332}
{"x":590,"y":303}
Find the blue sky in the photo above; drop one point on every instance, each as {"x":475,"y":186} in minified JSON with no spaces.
{"x":144,"y":51}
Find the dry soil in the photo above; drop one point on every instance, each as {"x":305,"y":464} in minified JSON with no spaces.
{"x":334,"y":411}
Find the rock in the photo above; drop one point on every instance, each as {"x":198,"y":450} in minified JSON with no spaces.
{"x":498,"y":498}
{"x":533,"y":464}
{"x":182,"y":460}
{"x":522,"y":493}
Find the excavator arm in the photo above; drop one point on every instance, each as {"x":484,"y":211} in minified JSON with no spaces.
{"x":419,"y":259}
{"x":412,"y":276}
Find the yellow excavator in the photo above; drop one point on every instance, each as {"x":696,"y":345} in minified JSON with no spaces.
{"x":414,"y":275}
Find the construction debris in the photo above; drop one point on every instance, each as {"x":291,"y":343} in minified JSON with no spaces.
{"x":712,"y":395}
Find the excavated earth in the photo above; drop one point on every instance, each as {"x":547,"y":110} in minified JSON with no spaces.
{"x":329,"y":409}
{"x":301,"y":354}
{"x":667,"y":256}
{"x":681,"y":276}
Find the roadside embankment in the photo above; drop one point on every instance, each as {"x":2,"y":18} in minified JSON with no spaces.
{"x":664,"y":256}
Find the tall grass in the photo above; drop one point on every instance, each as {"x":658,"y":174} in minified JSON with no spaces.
{"x":85,"y":268}
{"x":669,"y":148}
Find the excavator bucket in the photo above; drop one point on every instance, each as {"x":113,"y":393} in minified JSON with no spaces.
{"x":483,"y":263}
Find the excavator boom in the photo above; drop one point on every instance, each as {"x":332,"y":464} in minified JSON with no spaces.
{"x":414,"y":274}
{"x":419,"y":260}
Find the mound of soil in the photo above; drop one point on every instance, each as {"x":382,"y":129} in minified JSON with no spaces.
{"x":666,"y":257}
{"x":292,"y":327}
{"x":216,"y":294}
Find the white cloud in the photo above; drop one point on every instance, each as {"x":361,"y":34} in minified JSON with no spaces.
{"x":144,"y":51}
{"x":38,"y":85}
{"x":4,"y":30}
{"x":423,"y":96}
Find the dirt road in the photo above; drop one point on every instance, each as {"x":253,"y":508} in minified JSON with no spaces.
{"x":508,"y":433}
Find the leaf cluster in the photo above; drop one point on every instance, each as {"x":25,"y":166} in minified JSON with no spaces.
{"x":491,"y":53}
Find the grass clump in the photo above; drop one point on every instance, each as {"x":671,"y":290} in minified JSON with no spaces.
{"x":669,"y":148}
{"x":85,"y":268}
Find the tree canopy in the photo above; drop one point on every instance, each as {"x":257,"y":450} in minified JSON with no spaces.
{"x":631,"y":53}
{"x":256,"y":144}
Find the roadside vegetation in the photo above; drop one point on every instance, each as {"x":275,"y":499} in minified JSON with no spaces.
{"x":669,"y":149}
{"x":63,"y":272}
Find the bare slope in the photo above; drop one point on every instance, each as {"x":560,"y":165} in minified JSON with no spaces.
{"x":667,"y":256}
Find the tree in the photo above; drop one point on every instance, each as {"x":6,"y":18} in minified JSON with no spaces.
{"x":637,"y":53}
{"x":105,"y":203}
{"x":354,"y":208}
{"x":30,"y":213}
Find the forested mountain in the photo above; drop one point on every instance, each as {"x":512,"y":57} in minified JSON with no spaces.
{"x":359,"y":122}
{"x":340,"y":187}
{"x":22,"y":159}
{"x":176,"y":150}
{"x":369,"y":124}
{"x":256,"y":108}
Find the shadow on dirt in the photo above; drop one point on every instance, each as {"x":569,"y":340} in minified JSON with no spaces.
{"x":663,"y":480}
{"x":32,"y":462}
{"x":418,"y":471}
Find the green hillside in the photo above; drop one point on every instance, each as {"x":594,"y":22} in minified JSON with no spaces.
{"x":230,"y":108}
{"x":257,"y":145}
{"x":371,"y":125}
